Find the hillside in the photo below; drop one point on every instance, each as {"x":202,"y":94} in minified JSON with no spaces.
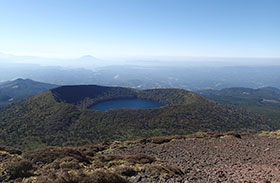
{"x":267,"y":93}
{"x":195,"y":158}
{"x":19,"y":89}
{"x":265,"y":101}
{"x":59,"y":117}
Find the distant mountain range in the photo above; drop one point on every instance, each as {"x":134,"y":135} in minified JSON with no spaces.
{"x":61,"y":116}
{"x":189,"y":74}
{"x":86,"y":61}
{"x":19,"y":89}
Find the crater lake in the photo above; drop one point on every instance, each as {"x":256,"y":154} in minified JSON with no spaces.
{"x":132,"y":103}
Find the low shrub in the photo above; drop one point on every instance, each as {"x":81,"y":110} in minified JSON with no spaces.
{"x":140,"y":159}
{"x":126,"y":171}
{"x":19,"y":169}
{"x":47,"y":155}
{"x":234,"y":134}
{"x":91,"y":150}
{"x":160,"y":140}
{"x":80,"y":177}
{"x":10,"y":150}
{"x":163,"y":170}
{"x":136,"y":158}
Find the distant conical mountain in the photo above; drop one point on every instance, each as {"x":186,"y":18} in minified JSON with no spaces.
{"x":88,"y":58}
{"x":60,"y":117}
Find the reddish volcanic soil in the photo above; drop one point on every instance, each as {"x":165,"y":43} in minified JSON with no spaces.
{"x":251,"y":158}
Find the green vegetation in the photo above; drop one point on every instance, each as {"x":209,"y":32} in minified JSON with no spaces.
{"x":264,"y":101}
{"x":17,"y":90}
{"x":56,"y":117}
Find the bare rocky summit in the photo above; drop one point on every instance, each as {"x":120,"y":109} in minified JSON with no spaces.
{"x":249,"y":158}
{"x":201,"y":157}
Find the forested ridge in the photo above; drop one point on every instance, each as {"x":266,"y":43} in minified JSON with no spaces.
{"x":60,"y":117}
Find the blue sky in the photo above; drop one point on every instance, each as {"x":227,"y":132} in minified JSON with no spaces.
{"x":141,"y":28}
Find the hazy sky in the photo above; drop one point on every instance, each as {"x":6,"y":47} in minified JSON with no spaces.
{"x":114,"y":28}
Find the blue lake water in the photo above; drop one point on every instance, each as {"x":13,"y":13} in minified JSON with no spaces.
{"x":134,"y":103}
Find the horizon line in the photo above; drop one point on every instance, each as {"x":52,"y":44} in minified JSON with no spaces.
{"x":153,"y":57}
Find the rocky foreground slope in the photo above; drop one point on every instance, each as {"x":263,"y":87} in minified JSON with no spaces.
{"x":201,"y":157}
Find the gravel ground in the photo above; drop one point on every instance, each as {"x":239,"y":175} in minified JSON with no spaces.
{"x":251,"y":158}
